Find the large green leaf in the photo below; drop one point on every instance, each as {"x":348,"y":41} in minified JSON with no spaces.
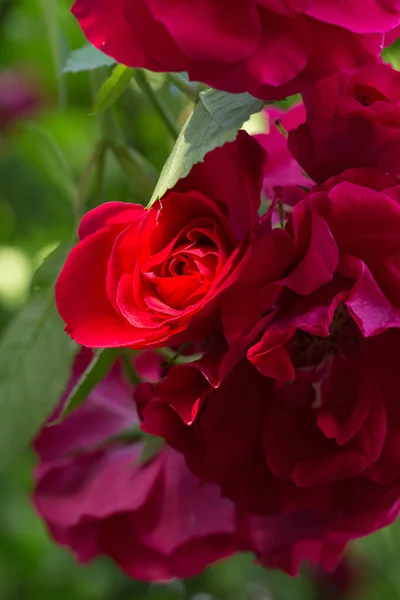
{"x":40,"y":147}
{"x":87,"y":58}
{"x":215,"y":120}
{"x":35,"y":363}
{"x":113,"y":87}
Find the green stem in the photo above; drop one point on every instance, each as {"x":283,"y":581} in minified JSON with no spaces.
{"x":176,"y":358}
{"x":157,"y":103}
{"x":82,"y":187}
{"x":107,"y":125}
{"x":134,"y":165}
{"x":50,"y":10}
{"x":101,"y":174}
{"x":190,"y":91}
{"x":281,"y":211}
{"x":132,"y":162}
{"x":126,"y":357}
{"x":280,"y":127}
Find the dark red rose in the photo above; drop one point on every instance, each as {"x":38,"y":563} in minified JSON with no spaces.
{"x":154,"y":518}
{"x":296,"y":410}
{"x":352,"y":121}
{"x":140,"y":277}
{"x":270,"y":48}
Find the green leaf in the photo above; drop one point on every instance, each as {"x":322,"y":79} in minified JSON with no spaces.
{"x":50,"y":267}
{"x":35,"y":363}
{"x":215,"y":120}
{"x":87,"y":58}
{"x":95,"y":372}
{"x":392,"y":55}
{"x":113,"y":87}
{"x":41,"y":148}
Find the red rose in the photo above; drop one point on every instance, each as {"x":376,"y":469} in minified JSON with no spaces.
{"x":140,"y":277}
{"x":270,"y":48}
{"x":156,"y":520}
{"x":300,"y":411}
{"x":352,"y":121}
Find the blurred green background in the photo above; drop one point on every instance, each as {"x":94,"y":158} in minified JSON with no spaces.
{"x":39,"y":157}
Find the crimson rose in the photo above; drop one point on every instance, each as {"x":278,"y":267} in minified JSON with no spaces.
{"x":305,"y":416}
{"x":270,"y":48}
{"x":154,"y":518}
{"x":140,"y":277}
{"x":352,"y":121}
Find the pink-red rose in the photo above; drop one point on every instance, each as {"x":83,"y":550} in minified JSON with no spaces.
{"x":96,"y":497}
{"x":270,"y":48}
{"x":283,"y":177}
{"x":299,"y":410}
{"x":146,"y":278}
{"x":352,"y":121}
{"x":154,"y":518}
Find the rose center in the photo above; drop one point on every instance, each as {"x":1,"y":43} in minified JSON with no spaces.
{"x":182,"y":265}
{"x":310,"y":350}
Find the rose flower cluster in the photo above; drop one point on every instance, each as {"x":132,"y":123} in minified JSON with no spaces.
{"x":271,"y":276}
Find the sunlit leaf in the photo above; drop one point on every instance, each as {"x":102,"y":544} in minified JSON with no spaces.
{"x":87,"y":58}
{"x":113,"y":87}
{"x":215,"y":120}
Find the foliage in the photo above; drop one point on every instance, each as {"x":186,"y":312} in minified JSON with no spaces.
{"x":52,"y":171}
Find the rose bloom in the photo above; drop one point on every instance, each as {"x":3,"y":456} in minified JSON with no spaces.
{"x":283,"y":177}
{"x":97,"y":495}
{"x":270,"y":48}
{"x":140,"y":277}
{"x":352,"y":121}
{"x":296,"y":407}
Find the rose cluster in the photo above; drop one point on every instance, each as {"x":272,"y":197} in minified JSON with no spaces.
{"x":271,"y":276}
